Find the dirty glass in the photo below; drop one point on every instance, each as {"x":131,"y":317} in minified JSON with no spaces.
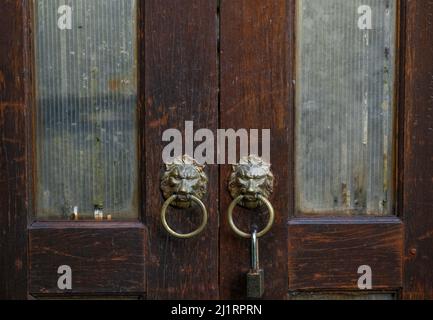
{"x":345,"y":106}
{"x":86,"y":92}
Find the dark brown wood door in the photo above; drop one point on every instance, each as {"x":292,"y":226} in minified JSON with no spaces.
{"x":288,"y":66}
{"x":88,"y":90}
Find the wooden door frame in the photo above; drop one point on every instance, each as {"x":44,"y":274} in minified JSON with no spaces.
{"x":415,"y":147}
{"x":416,"y":177}
{"x":14,"y":106}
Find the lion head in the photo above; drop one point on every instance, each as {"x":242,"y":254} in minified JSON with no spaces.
{"x":251,"y":177}
{"x":184,"y":177}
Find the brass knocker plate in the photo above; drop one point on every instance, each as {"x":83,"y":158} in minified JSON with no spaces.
{"x":183,"y":184}
{"x":250,"y":184}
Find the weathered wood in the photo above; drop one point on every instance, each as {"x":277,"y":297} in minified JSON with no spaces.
{"x":418,"y":151}
{"x":181,"y":84}
{"x":256,"y":76}
{"x":104,"y":258}
{"x":13,"y":148}
{"x":326,"y":253}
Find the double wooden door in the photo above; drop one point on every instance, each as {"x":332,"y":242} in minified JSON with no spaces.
{"x":90,"y":88}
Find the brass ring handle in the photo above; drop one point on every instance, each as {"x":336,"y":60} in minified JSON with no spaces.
{"x":183,"y":235}
{"x":239,"y":232}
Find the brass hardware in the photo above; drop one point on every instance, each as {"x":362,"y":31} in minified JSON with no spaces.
{"x":250,"y":184}
{"x":183,"y":183}
{"x":248,"y":235}
{"x":256,"y":275}
{"x":252,"y":176}
{"x":171,"y":200}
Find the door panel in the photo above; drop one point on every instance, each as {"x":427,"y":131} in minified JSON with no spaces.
{"x":344,"y":149}
{"x":181,"y":84}
{"x":256,"y":72}
{"x":326,"y":254}
{"x":83,"y":151}
{"x":323,"y":252}
{"x":104,"y":259}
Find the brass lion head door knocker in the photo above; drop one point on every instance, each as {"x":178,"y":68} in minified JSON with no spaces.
{"x":250,"y":184}
{"x":251,"y":177}
{"x":184,"y":184}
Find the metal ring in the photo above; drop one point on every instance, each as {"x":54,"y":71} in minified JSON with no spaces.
{"x":239,"y":232}
{"x":183,"y":235}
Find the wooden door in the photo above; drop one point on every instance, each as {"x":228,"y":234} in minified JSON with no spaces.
{"x":237,"y":64}
{"x":314,"y":255}
{"x":89,"y":88}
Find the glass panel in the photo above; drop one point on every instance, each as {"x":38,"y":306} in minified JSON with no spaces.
{"x":345,"y":106}
{"x":86,"y":84}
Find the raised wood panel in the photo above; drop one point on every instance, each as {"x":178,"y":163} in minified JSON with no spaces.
{"x":418,"y":151}
{"x":326,"y":253}
{"x":181,"y":84}
{"x":108,"y":258}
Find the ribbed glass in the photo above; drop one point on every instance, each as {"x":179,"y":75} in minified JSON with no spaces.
{"x":345,"y":106}
{"x":86,"y":88}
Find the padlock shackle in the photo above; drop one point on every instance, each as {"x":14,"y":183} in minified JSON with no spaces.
{"x":255,"y":263}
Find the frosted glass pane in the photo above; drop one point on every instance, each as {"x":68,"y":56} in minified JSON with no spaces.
{"x":345,"y":106}
{"x":86,"y":87}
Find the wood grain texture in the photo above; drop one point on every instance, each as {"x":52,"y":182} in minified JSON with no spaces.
{"x":178,"y":82}
{"x":418,"y":151}
{"x":181,"y":84}
{"x":104,"y":259}
{"x":256,"y":76}
{"x":13,"y":173}
{"x":326,"y":254}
